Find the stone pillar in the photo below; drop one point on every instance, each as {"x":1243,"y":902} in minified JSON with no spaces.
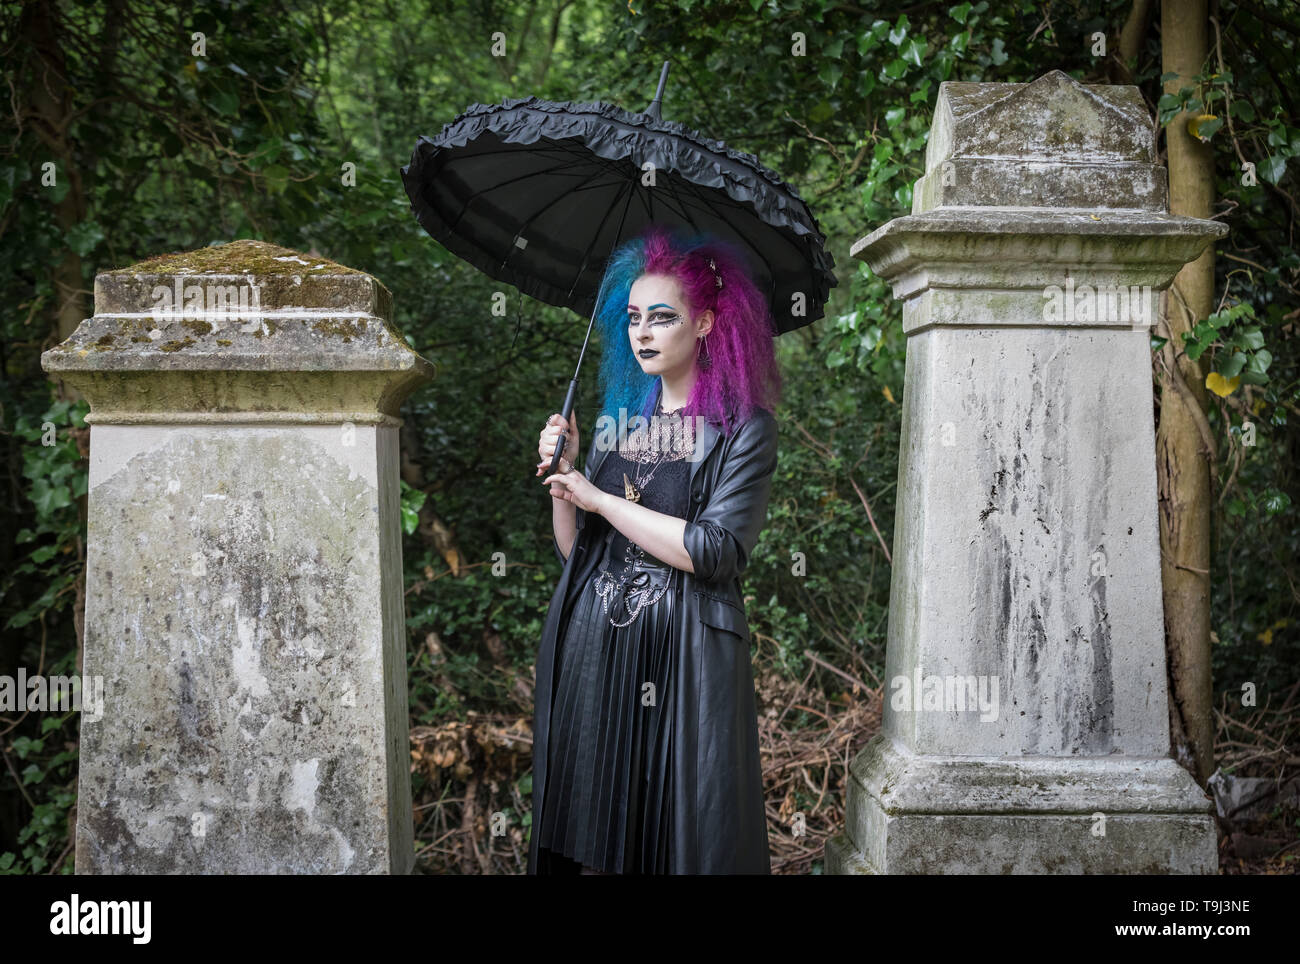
{"x":244,"y":584}
{"x":1026,"y":715}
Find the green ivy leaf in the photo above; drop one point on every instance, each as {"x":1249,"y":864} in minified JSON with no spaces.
{"x":225,"y":102}
{"x":913,"y":51}
{"x":24,"y":745}
{"x":412,"y":502}
{"x":1275,"y":502}
{"x":277,"y":178}
{"x":899,"y":33}
{"x":1272,"y":168}
{"x":1234,"y":366}
{"x":48,"y":497}
{"x":1251,"y":338}
{"x":83,"y":237}
{"x":873,"y":36}
{"x":1260,"y":360}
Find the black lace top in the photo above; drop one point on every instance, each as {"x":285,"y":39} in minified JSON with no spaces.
{"x":654,"y":460}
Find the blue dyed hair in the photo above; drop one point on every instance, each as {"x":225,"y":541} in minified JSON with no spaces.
{"x":623,"y":384}
{"x":741,"y":373}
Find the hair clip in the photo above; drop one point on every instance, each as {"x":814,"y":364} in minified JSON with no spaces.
{"x":716,"y":277}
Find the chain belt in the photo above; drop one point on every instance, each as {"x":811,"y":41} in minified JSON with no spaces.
{"x":642,"y":583}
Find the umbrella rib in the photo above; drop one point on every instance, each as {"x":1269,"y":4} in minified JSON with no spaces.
{"x":586,"y":256}
{"x":596,"y":307}
{"x":682,"y":207}
{"x":464,"y":208}
{"x":536,"y":214}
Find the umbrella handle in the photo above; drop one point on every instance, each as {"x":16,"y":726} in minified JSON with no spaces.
{"x":564,"y":436}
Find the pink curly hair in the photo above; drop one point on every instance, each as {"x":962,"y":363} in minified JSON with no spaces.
{"x":737,"y":372}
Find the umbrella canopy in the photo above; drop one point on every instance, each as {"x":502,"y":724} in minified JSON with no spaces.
{"x":538,"y":194}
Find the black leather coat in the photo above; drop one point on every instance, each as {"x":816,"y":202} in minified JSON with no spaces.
{"x":719,"y":823}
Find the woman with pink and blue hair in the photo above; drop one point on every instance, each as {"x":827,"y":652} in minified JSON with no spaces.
{"x":645,"y":749}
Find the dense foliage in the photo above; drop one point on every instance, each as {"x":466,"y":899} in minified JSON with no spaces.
{"x":289,"y":124}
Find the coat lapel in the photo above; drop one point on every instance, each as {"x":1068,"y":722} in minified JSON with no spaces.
{"x":706,"y":437}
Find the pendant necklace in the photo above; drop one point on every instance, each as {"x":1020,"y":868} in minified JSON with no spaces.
{"x":632,"y":491}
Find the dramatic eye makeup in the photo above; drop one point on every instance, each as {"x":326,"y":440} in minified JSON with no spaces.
{"x":658,"y":315}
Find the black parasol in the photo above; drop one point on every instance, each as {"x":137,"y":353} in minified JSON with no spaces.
{"x":538,"y":194}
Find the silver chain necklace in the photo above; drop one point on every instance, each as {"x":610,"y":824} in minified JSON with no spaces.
{"x":632,"y":491}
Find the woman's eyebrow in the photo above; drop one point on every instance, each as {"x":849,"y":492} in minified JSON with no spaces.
{"x":651,"y":308}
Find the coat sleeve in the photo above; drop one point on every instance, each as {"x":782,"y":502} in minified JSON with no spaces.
{"x":720,"y":541}
{"x":586,"y":470}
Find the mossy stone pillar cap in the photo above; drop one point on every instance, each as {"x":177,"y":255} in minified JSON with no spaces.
{"x":240,"y":327}
{"x":1025,"y":182}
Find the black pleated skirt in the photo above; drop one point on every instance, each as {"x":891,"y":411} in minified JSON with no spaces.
{"x":607,"y":801}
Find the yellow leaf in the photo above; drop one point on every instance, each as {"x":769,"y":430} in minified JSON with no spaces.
{"x":1194,"y":125}
{"x":1265,"y":637}
{"x":1257,"y":407}
{"x":889,"y":396}
{"x":1223,"y":387}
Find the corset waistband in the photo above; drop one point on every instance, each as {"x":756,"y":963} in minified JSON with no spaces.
{"x":642,"y":582}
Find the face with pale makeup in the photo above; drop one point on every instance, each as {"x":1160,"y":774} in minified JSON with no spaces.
{"x":664,"y":336}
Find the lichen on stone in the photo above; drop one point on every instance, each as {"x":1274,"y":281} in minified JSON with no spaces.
{"x":346,"y":329}
{"x":238,"y":257}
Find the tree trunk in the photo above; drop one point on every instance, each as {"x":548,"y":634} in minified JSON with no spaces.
{"x":1131,"y":38}
{"x":50,"y":111}
{"x":1184,"y":446}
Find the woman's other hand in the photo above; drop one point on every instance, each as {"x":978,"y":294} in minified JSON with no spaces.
{"x":572,"y":486}
{"x":550,"y":438}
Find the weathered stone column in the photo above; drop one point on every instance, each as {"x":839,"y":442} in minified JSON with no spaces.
{"x":1026,"y":717}
{"x":244,"y":584}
